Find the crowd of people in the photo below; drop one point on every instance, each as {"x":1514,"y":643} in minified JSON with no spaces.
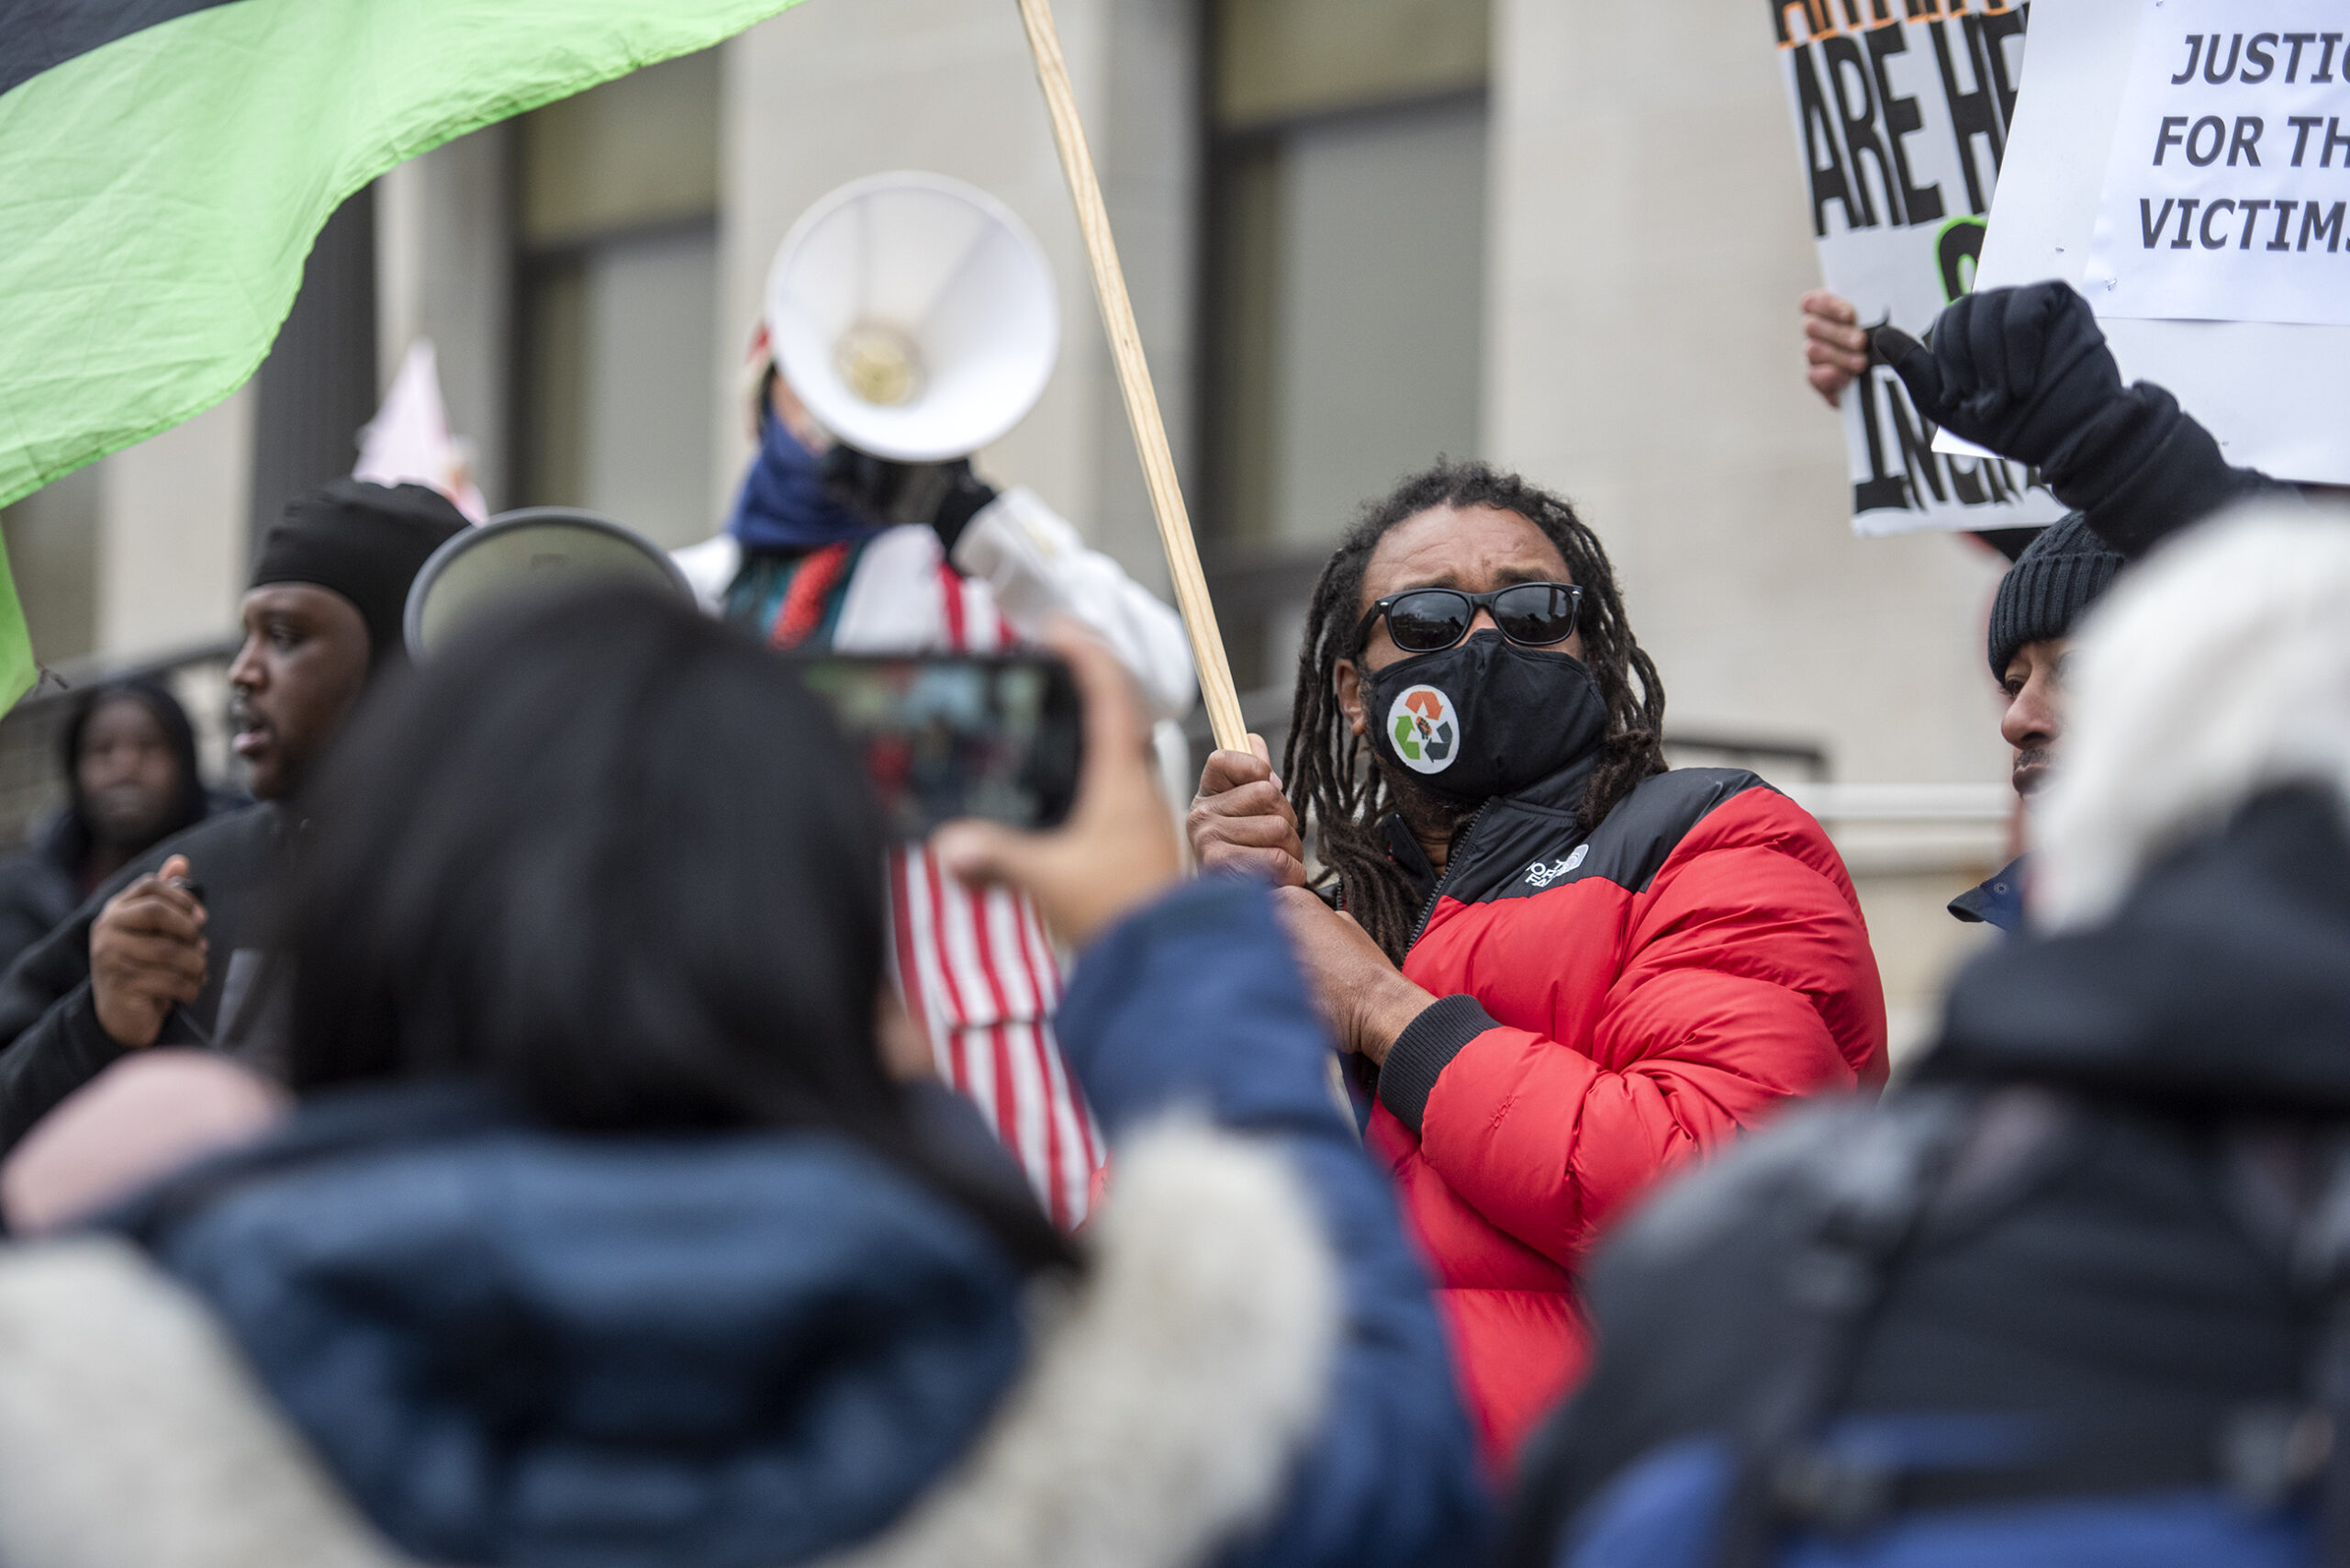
{"x":552,"y":1125}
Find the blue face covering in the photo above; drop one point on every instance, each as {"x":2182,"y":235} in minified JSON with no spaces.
{"x":784,"y":504}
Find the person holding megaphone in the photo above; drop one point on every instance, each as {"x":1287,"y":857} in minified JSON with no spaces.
{"x":911,"y":320}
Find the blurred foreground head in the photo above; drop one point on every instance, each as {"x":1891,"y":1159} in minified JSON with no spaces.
{"x":2218,"y":672}
{"x":2191,"y":901}
{"x":609,"y":856}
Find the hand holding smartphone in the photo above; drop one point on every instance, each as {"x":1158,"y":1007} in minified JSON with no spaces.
{"x":998,"y":736}
{"x":1118,"y":848}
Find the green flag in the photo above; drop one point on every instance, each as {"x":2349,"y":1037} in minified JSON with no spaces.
{"x":164,"y":165}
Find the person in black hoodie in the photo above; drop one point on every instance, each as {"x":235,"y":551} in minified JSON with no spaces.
{"x":173,"y":948}
{"x":131,"y":780}
{"x":2074,"y":1275}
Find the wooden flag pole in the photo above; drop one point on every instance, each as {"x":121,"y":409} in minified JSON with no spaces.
{"x":1134,"y":381}
{"x":1142,"y":409}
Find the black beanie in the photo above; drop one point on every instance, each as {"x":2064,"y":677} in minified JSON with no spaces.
{"x":2059,"y":575}
{"x":366,"y":542}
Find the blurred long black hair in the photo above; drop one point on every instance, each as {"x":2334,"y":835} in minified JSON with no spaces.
{"x":611,"y":856}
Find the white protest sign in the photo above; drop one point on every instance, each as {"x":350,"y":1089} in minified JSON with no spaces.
{"x":2273,"y":394}
{"x":1901,"y":112}
{"x":2230,"y":173}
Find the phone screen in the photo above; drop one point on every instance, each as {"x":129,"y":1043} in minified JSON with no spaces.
{"x":994,"y":736}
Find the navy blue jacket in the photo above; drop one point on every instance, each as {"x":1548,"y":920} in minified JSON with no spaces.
{"x":743,"y":1350}
{"x":1997,"y":900}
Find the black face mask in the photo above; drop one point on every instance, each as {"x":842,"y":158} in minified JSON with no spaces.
{"x":1485,"y":717}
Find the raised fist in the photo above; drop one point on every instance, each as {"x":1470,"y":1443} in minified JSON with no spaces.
{"x":2023,"y":371}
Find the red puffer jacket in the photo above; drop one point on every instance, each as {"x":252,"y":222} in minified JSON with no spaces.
{"x":1611,"y":1006}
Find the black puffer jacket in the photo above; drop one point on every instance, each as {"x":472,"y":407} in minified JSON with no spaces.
{"x":2104,"y":1261}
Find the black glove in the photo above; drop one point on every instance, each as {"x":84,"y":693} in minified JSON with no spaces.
{"x":2023,"y":371}
{"x":2026,"y":373}
{"x":965,"y":500}
{"x":946,"y":496}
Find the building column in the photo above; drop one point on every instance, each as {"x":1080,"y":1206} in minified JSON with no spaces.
{"x":319,"y":385}
{"x":173,"y":545}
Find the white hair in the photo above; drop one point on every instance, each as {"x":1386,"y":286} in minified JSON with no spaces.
{"x":2219,"y":669}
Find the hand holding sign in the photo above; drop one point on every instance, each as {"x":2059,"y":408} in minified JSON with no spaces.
{"x":1836,"y":346}
{"x":2024,"y":372}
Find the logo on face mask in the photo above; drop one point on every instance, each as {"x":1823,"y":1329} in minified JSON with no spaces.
{"x":1425,"y":727}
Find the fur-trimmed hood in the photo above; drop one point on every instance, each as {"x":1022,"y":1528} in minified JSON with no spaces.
{"x":1153,"y":1417}
{"x":2218,"y":669}
{"x":2190,"y":902}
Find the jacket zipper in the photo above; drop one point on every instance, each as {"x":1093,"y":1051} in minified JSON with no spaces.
{"x":1427,"y":910}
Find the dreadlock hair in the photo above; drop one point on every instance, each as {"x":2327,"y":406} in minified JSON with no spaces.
{"x":1335,"y":782}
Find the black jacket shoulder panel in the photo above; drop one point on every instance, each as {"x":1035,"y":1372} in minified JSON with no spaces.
{"x":1523,"y":849}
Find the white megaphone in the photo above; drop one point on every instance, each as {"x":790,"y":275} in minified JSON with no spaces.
{"x":915,"y":316}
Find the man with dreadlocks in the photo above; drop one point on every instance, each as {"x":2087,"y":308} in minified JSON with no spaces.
{"x":1566,"y":968}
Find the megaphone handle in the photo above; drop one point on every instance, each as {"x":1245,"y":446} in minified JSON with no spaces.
{"x":1134,"y":382}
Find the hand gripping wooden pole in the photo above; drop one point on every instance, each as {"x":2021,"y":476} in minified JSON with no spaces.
{"x":1134,"y":381}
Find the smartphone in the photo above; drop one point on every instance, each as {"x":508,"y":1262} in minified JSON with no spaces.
{"x":948,"y":735}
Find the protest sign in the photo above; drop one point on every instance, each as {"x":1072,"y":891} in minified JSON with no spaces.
{"x":2230,"y":173}
{"x":1901,"y":112}
{"x":2272,"y":393}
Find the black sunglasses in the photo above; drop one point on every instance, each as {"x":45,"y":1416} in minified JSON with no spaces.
{"x":1423,"y":621}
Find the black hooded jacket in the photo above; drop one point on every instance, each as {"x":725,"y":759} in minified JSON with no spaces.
{"x":2117,"y":1280}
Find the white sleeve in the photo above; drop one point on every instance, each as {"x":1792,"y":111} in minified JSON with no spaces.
{"x":1037,"y":567}
{"x":710,"y":568}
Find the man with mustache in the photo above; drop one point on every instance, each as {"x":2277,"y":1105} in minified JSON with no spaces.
{"x":173,"y":948}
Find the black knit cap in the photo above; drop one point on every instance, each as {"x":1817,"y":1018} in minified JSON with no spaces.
{"x":366,"y":542}
{"x":2058,"y":576}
